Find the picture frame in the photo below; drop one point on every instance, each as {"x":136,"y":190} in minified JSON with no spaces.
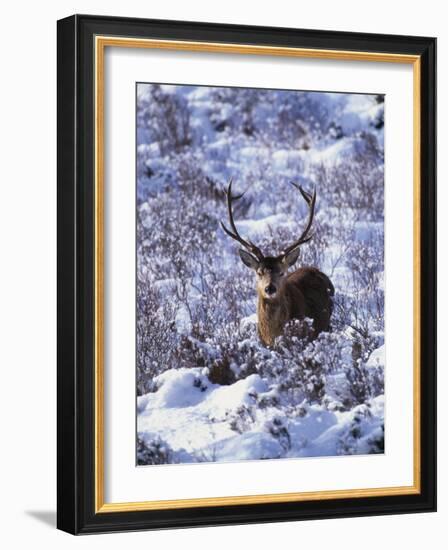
{"x":82,"y":241}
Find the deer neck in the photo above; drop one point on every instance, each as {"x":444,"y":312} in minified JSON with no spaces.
{"x":272,"y":315}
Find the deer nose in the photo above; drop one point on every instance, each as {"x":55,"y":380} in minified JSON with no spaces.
{"x":270,"y":289}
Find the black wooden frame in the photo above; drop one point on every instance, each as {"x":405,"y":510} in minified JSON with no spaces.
{"x":75,"y":476}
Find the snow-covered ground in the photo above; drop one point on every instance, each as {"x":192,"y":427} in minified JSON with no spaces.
{"x":201,"y":421}
{"x":207,"y":389}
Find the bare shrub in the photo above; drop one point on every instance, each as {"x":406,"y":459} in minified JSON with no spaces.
{"x":221,"y":373}
{"x":156,"y":335}
{"x":277,"y":428}
{"x":357,"y":182}
{"x":166,"y":118}
{"x":155,"y":451}
{"x":242,"y":419}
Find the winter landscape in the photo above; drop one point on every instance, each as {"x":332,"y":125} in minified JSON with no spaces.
{"x":207,"y":388}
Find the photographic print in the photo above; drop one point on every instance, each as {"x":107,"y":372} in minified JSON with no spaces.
{"x":223,"y":274}
{"x":260,"y":264}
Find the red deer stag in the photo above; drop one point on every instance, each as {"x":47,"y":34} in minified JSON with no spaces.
{"x":306,"y":292}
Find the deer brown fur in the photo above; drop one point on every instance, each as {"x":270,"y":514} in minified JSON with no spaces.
{"x":306,"y":292}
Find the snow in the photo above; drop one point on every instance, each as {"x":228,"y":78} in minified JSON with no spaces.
{"x":287,"y":159}
{"x":254,"y":228}
{"x":367,"y":421}
{"x":250,"y":320}
{"x":330,"y":153}
{"x":377,"y":358}
{"x":194,"y":418}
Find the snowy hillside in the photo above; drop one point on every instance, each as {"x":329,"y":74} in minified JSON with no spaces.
{"x":208,"y":390}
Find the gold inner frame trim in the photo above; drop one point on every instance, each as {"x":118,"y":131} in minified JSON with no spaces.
{"x":101,"y":42}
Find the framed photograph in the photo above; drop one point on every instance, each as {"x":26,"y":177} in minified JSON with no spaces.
{"x":246,"y":274}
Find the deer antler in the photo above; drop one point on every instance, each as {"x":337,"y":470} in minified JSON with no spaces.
{"x":253,"y":249}
{"x":311,"y":202}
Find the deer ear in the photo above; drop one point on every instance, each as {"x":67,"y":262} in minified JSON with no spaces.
{"x":291,"y":258}
{"x":248,"y":259}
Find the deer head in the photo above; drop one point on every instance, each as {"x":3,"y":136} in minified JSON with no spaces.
{"x":270,"y":270}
